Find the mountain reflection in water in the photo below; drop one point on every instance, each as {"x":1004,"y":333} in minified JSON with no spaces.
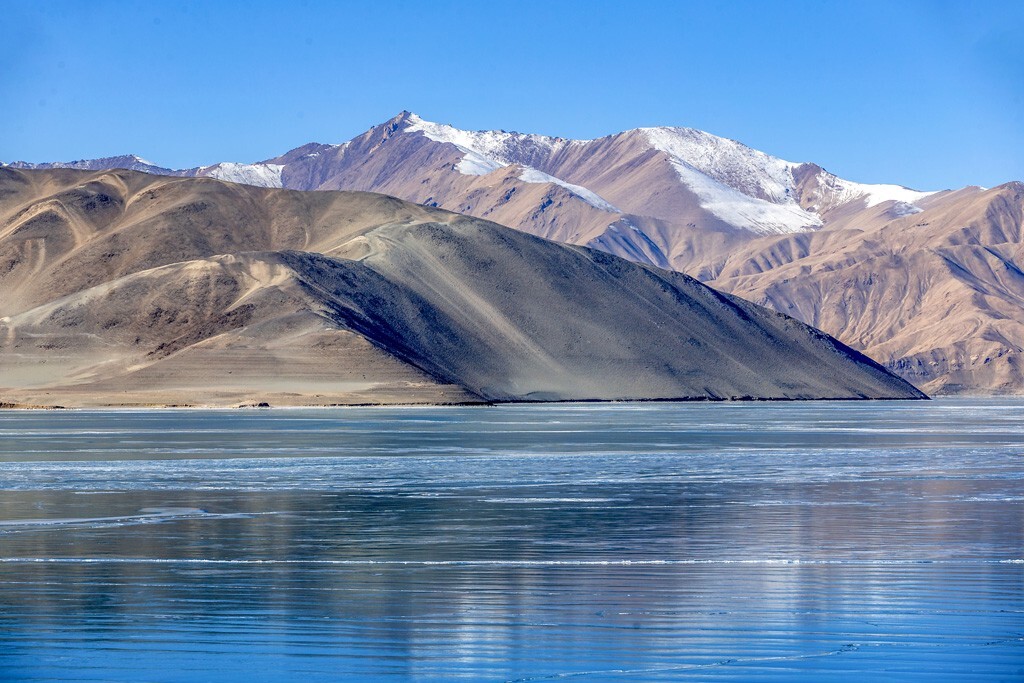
{"x":651,"y":541}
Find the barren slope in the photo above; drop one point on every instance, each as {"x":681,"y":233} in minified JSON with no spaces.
{"x":120,"y":287}
{"x":937,"y":296}
{"x":916,"y":279}
{"x":655,"y":195}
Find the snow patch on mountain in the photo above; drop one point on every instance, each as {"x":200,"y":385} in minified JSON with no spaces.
{"x":259,"y":175}
{"x":476,"y":164}
{"x":488,"y":150}
{"x":876,"y":194}
{"x":127,"y":161}
{"x":734,"y":207}
{"x":741,"y":186}
{"x":323,"y":148}
{"x":532,"y":175}
{"x":835,"y":191}
{"x":901,"y":209}
{"x":731,"y":163}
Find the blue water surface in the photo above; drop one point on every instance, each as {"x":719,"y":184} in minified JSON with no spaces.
{"x":656,"y":541}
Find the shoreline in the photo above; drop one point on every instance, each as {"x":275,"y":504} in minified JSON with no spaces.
{"x":6,"y":406}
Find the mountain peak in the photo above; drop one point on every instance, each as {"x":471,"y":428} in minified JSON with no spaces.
{"x":404,"y":116}
{"x":713,"y":180}
{"x":128,"y":161}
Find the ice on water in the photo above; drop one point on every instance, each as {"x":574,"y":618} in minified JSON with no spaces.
{"x":651,"y":541}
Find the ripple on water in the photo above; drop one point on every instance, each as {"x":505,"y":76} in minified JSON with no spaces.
{"x":832,"y":541}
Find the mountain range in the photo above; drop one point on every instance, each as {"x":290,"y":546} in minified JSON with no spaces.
{"x":127,"y":288}
{"x":927,"y":282}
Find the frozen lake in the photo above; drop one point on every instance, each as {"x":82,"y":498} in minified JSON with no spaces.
{"x":757,"y":541}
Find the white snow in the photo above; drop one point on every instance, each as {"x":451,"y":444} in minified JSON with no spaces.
{"x":476,"y":164}
{"x":488,"y":150}
{"x":485,"y":146}
{"x":876,"y":194}
{"x":847,"y":191}
{"x":734,"y":207}
{"x":835,"y":191}
{"x":900,"y":209}
{"x":756,"y":191}
{"x":741,"y":186}
{"x":532,"y":175}
{"x":729,"y":162}
{"x":260,"y":175}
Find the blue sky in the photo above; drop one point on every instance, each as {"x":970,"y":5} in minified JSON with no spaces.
{"x":925,"y":94}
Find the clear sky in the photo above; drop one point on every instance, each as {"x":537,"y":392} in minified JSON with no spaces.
{"x":925,"y":94}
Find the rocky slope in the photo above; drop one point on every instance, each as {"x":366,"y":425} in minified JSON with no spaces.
{"x":644,"y":191}
{"x":127,"y":288}
{"x":919,"y":280}
{"x":937,"y":295}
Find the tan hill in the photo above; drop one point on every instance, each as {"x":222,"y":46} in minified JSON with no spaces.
{"x":922,"y":281}
{"x":649,"y":194}
{"x":937,"y":296}
{"x":126,"y":288}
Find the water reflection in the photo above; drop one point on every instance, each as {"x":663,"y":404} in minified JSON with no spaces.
{"x":525,"y":542}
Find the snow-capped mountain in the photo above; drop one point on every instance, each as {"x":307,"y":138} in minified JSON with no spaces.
{"x":124,"y":288}
{"x":652,"y":194}
{"x":926,"y":282}
{"x":259,"y":175}
{"x":128,"y":161}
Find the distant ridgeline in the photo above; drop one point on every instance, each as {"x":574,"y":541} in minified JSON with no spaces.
{"x":124,"y":288}
{"x":926,"y":282}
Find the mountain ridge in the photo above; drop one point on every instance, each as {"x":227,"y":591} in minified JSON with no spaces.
{"x":731,"y":216}
{"x":132,"y":288}
{"x":486,"y":151}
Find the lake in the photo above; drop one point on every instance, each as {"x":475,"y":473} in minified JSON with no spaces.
{"x":650,"y":541}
